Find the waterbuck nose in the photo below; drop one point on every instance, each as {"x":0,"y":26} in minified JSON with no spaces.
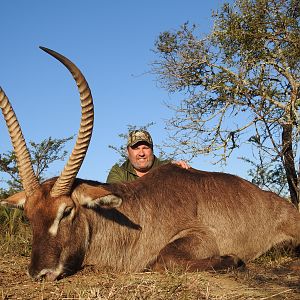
{"x":50,"y":276}
{"x":46,"y":274}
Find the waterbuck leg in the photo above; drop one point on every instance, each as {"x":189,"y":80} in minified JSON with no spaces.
{"x":174,"y":262}
{"x":186,"y":254}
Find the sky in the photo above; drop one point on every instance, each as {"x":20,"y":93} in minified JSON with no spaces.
{"x":111,"y":42}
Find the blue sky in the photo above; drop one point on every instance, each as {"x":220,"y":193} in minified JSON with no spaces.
{"x":111,"y":42}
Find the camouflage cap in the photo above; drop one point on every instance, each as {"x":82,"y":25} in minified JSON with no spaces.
{"x":136,"y":136}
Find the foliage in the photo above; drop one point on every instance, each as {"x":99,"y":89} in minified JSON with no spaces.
{"x":11,"y":221}
{"x":15,"y":233}
{"x":268,"y":175}
{"x":240,"y":84}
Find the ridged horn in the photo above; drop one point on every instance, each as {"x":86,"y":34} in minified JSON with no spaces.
{"x":64,"y":183}
{"x":29,"y":180}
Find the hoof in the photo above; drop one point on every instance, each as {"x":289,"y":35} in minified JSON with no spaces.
{"x":232,"y":261}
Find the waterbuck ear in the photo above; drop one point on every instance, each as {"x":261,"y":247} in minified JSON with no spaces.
{"x":108,"y":201}
{"x":92,"y":196}
{"x":16,"y":201}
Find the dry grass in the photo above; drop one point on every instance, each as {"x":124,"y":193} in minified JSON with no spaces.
{"x":91,"y":283}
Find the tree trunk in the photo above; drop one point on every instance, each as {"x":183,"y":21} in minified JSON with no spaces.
{"x":289,"y":163}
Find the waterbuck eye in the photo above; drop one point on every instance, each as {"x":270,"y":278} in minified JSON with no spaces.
{"x":67,"y":211}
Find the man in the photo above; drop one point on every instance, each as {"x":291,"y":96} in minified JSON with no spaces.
{"x":140,"y":159}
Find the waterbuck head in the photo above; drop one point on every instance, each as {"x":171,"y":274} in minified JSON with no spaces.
{"x":60,"y":232}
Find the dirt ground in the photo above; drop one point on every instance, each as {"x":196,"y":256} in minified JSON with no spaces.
{"x":256,"y":281}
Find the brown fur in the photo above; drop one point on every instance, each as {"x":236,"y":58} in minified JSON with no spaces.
{"x":170,"y":218}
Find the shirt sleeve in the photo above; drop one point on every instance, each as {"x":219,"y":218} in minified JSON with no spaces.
{"x":114,"y":175}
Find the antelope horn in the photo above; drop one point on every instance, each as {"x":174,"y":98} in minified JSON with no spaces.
{"x":29,"y":180}
{"x":64,"y":183}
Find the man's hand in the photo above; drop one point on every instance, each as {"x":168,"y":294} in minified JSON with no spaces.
{"x":181,"y":163}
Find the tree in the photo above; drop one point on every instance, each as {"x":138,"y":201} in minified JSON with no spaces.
{"x":267,"y":174}
{"x":42,"y":155}
{"x":240,"y":83}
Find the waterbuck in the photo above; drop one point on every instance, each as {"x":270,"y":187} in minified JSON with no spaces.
{"x":169,"y":218}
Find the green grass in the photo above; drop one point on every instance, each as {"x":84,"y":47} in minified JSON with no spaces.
{"x":15,"y":233}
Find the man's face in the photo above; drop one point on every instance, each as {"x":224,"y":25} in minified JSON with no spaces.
{"x":141,"y":156}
